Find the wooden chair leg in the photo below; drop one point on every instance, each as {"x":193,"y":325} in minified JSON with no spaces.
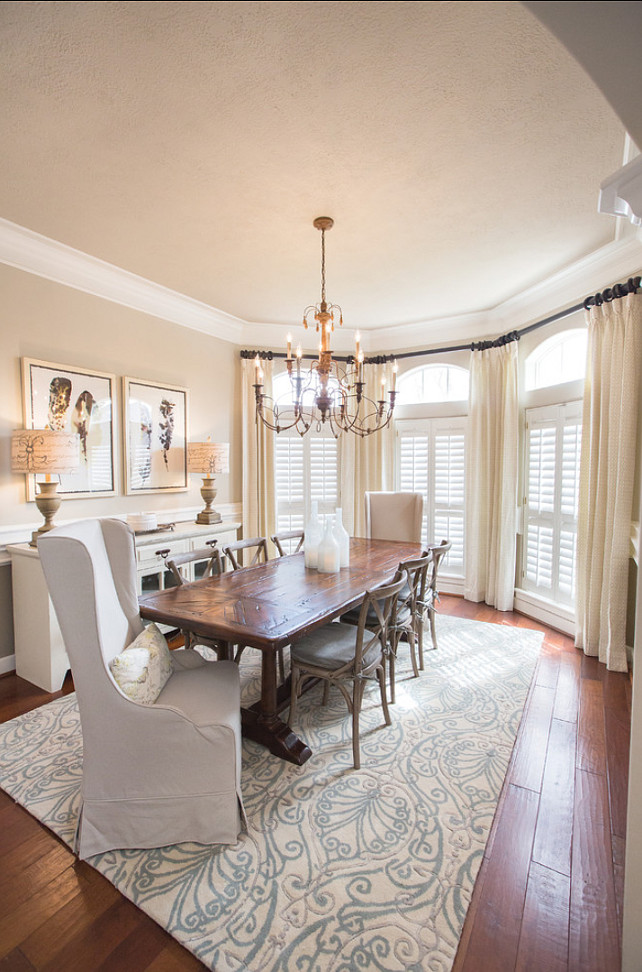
{"x":381,"y":675}
{"x":357,"y":696}
{"x":412,"y":645}
{"x":391,"y":669}
{"x":420,"y":640}
{"x":326,"y":692}
{"x":433,"y":633}
{"x":239,"y":651}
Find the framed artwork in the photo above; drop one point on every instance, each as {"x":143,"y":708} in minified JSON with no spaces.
{"x":76,"y":400}
{"x":155,"y":431}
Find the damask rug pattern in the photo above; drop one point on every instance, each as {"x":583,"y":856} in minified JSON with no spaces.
{"x":340,"y":870}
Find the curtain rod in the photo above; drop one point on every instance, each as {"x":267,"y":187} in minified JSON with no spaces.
{"x":611,"y":293}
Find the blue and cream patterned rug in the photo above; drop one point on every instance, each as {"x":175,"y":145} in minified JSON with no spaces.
{"x":340,"y":870}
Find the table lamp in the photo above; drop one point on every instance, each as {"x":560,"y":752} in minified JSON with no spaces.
{"x":208,"y":458}
{"x":35,"y":451}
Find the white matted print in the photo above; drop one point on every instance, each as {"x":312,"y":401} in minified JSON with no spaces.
{"x":69,"y":399}
{"x":155,"y":436}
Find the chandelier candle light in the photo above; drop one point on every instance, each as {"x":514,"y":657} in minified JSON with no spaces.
{"x":325,"y":393}
{"x":208,"y":459}
{"x":36,"y":451}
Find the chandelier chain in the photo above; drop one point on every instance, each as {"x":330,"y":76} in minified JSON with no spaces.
{"x":323,"y":266}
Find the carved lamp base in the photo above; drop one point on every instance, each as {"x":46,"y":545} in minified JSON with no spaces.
{"x":48,"y":502}
{"x":207,"y":514}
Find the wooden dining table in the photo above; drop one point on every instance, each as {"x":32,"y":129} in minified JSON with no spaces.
{"x":269,"y":606}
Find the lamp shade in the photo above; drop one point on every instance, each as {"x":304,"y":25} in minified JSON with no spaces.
{"x":44,"y":451}
{"x":208,"y":458}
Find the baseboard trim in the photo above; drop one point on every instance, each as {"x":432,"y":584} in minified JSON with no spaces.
{"x":7,"y":664}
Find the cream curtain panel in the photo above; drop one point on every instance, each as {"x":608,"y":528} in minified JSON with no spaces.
{"x":609,"y":430}
{"x":491,"y":477}
{"x":259,"y":504}
{"x":366,"y":463}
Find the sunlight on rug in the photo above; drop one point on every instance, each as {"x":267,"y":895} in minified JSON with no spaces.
{"x":340,"y":869}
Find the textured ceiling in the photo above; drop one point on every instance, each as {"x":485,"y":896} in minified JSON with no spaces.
{"x":458,"y":147}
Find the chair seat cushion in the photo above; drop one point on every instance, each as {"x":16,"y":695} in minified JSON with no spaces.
{"x":403,"y":613}
{"x":331,"y":647}
{"x":143,"y":668}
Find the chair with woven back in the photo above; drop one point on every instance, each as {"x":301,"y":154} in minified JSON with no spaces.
{"x":343,"y":654}
{"x":235,"y":553}
{"x":207,"y":561}
{"x":294,"y":538}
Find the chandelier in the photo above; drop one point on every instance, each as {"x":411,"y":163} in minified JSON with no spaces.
{"x":326,"y":393}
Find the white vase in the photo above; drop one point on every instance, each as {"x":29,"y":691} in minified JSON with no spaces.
{"x":329,"y":556}
{"x":312,"y":536}
{"x":342,"y":537}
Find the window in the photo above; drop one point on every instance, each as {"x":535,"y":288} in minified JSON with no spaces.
{"x":553,"y":441}
{"x":430,"y":460}
{"x":433,"y":383}
{"x":306,"y":469}
{"x":560,"y":358}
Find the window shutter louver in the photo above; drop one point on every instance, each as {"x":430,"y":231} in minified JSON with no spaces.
{"x":553,"y":440}
{"x":431,"y":456}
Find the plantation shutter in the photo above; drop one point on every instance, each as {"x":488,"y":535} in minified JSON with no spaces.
{"x":553,"y":440}
{"x":305,"y":469}
{"x":430,"y":461}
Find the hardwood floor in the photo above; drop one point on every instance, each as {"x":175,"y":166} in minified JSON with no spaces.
{"x":548,"y":897}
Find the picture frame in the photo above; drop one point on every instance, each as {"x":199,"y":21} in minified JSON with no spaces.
{"x":155,"y":436}
{"x":73,"y":399}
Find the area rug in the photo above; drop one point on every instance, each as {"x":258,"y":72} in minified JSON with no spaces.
{"x":340,"y":870}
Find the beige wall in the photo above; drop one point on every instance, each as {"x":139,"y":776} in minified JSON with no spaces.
{"x":46,"y":320}
{"x":42,"y":319}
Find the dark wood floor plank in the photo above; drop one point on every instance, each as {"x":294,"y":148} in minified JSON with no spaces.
{"x":494,"y":937}
{"x":543,"y":942}
{"x":44,"y":904}
{"x":594,"y":940}
{"x":89,"y":948}
{"x":527,"y":767}
{"x":135,"y":953}
{"x":16,"y":962}
{"x":78,"y":916}
{"x":591,"y":738}
{"x":554,"y":831}
{"x":174,"y":958}
{"x":34,"y":863}
{"x":567,"y":697}
{"x":617,"y":727}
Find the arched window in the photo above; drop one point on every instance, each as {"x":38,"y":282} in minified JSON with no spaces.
{"x":560,"y":358}
{"x":433,"y":383}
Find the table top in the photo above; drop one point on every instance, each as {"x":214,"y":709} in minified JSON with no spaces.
{"x":268,"y":605}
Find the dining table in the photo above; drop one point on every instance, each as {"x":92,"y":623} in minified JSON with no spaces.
{"x":268,"y":606}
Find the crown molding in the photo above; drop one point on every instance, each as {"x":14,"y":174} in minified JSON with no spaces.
{"x":26,"y":250}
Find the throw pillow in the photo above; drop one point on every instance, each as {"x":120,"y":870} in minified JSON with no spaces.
{"x":142,"y":669}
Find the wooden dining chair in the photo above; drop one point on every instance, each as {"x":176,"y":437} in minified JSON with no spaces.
{"x":427,"y":606}
{"x":294,"y":538}
{"x":239,"y":547}
{"x":260,"y":556}
{"x":408,"y":621}
{"x":207,"y":561}
{"x":343,"y":655}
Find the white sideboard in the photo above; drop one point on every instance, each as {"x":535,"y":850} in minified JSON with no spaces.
{"x":40,"y":652}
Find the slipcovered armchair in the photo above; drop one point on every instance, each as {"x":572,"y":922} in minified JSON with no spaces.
{"x":394,"y":516}
{"x":153,"y":774}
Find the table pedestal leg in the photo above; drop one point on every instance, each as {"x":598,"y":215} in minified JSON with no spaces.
{"x":262,"y":724}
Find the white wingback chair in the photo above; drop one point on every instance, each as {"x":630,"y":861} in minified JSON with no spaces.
{"x":394,"y":516}
{"x":152,"y":774}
